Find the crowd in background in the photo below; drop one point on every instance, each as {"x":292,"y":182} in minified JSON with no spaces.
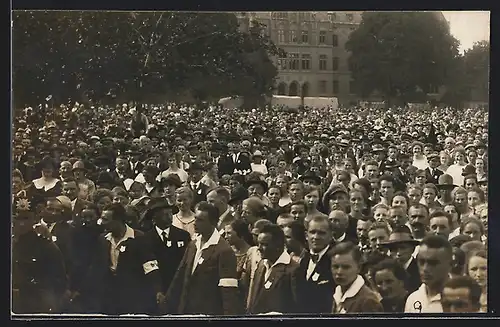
{"x":176,"y":209}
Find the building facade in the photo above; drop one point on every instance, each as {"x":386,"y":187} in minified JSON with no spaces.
{"x":317,"y":61}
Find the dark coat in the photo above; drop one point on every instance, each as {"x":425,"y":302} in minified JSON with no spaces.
{"x":118,"y":292}
{"x":315,"y":294}
{"x":168,"y":258}
{"x":188,"y":291}
{"x":413,"y":282}
{"x":434,"y":179}
{"x":134,"y":171}
{"x":243,"y":164}
{"x":117,"y":181}
{"x":38,"y":275}
{"x":200,"y":192}
{"x":225,"y":165}
{"x":79,"y":205}
{"x":62,"y":235}
{"x":226,"y":220}
{"x":364,"y":301}
{"x":281,"y":296}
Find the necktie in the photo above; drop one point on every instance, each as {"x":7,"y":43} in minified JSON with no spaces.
{"x":314,"y":257}
{"x":164,"y":236}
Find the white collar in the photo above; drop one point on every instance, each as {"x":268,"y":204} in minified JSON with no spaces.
{"x":407,"y":264}
{"x":213,"y":240}
{"x":43,"y":222}
{"x":160,"y":232}
{"x":74,"y":201}
{"x":322,"y":252}
{"x":129,"y":233}
{"x":423,"y":290}
{"x":40,"y":183}
{"x":284,"y":258}
{"x":340,"y":239}
{"x":351,"y":291}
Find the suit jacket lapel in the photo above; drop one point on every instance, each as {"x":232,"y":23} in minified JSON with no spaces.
{"x":257,"y":284}
{"x":277,"y":272}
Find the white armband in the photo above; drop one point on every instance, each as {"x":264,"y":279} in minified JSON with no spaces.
{"x":150,"y":266}
{"x":228,"y":282}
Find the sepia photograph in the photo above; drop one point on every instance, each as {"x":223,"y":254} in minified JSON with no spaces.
{"x":249,"y":164}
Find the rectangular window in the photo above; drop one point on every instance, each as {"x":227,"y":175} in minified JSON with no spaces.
{"x":322,"y":37}
{"x":305,"y":37}
{"x":322,"y":87}
{"x":281,"y":36}
{"x":335,"y":63}
{"x":335,"y":40}
{"x":335,"y":87}
{"x":282,"y":63}
{"x":322,"y":62}
{"x":293,"y":36}
{"x":306,"y":61}
{"x":293,"y":61}
{"x":352,"y":87}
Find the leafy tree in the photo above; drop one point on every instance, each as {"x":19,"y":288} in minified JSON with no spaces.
{"x":477,"y":69}
{"x":398,"y":53}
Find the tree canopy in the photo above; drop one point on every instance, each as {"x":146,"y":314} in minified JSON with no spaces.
{"x":398,"y":53}
{"x":103,"y":55}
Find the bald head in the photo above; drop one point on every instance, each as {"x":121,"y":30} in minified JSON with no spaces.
{"x":339,"y":221}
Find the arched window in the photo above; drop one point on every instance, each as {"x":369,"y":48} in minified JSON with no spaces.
{"x":293,"y":91}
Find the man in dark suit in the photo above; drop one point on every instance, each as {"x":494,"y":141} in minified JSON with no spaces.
{"x":340,"y":222}
{"x":314,"y":279}
{"x":121,"y":172}
{"x":225,"y":163}
{"x":402,"y":246}
{"x":71,"y":189}
{"x":166,"y":242}
{"x":220,"y":199}
{"x":135,"y":165}
{"x":122,"y":270}
{"x":274,"y":286}
{"x":199,"y":189}
{"x":208,"y":268}
{"x":432,"y":172}
{"x":242,"y":159}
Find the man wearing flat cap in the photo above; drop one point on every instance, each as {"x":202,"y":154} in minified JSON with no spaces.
{"x":166,"y":242}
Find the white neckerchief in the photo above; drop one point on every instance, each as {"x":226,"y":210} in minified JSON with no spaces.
{"x":340,"y":239}
{"x":351,"y":292}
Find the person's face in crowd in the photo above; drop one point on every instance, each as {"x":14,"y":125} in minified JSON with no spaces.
{"x":291,"y":244}
{"x":481,"y":151}
{"x":420,"y":179}
{"x":224,"y":180}
{"x":473,"y":199}
{"x":202,"y":224}
{"x":148,"y":176}
{"x":348,"y":165}
{"x":417,"y":150}
{"x":272,"y":171}
{"x":379,"y":155}
{"x":386,"y":189}
{"x":400,"y":201}
{"x":371,"y":135}
{"x":479,"y":165}
{"x":245,"y":146}
{"x":248,"y":214}
{"x":381,"y":214}
{"x":337,"y":157}
{"x":282,"y":222}
{"x":449,"y":144}
{"x":110,"y":225}
{"x":17,"y":184}
{"x":461,"y":201}
{"x":388,"y":285}
{"x":26,"y":143}
{"x":281,"y":183}
{"x":483,"y":216}
{"x":450,"y":209}
{"x":459,"y":158}
{"x":319,"y":235}
{"x":471,"y":157}
{"x":70,"y":189}
{"x":402,"y":252}
{"x":312,"y":199}
{"x":135,"y":191}
{"x":444,"y":159}
{"x":372,"y":171}
{"x":473,"y":231}
{"x":357,"y":201}
{"x":397,"y":217}
{"x":392,"y":153}
{"x":274,"y":195}
{"x":169,"y":190}
{"x":54,"y":211}
{"x":344,"y":269}
{"x":163,"y":218}
{"x":216,"y":200}
{"x":88,"y":217}
{"x":434,"y":265}
{"x":269,"y":248}
{"x":256,"y":190}
{"x":18,"y":150}
{"x":434,"y":163}
{"x":440,"y":226}
{"x":181,"y":149}
{"x":183,"y":202}
{"x":339,"y":221}
{"x":457,"y":300}
{"x":296,"y":192}
{"x":231,"y":236}
{"x":172,"y":163}
{"x":429,"y":195}
{"x":478,"y":270}
{"x":339,"y":201}
{"x":298,"y":212}
{"x":47,"y":172}
{"x":103,"y":202}
{"x":362,"y":228}
{"x":427,"y":150}
{"x":405,"y":163}
{"x":440,"y":139}
{"x":121,"y":165}
{"x":79,"y":174}
{"x":470,"y":183}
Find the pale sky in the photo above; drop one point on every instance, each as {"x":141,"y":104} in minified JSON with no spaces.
{"x":469,"y":26}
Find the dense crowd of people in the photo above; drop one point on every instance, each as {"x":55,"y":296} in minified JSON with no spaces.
{"x":176,"y":209}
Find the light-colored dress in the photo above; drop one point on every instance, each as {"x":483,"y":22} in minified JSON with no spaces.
{"x":184,"y":223}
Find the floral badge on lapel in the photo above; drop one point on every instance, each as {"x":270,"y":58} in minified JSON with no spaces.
{"x":268,"y":284}
{"x":199,"y":191}
{"x":54,"y":238}
{"x":200,"y":261}
{"x":315,"y":277}
{"x":122,"y":248}
{"x":169,"y":243}
{"x":180,"y":244}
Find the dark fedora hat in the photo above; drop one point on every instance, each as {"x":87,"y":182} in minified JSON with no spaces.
{"x":195,"y":166}
{"x":309,"y":175}
{"x":445,"y":181}
{"x":157,"y":204}
{"x":255,"y":180}
{"x":469,"y":170}
{"x":400,"y":236}
{"x":171,"y":179}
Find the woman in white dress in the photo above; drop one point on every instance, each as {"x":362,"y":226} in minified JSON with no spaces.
{"x":419,"y":159}
{"x":456,"y":170}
